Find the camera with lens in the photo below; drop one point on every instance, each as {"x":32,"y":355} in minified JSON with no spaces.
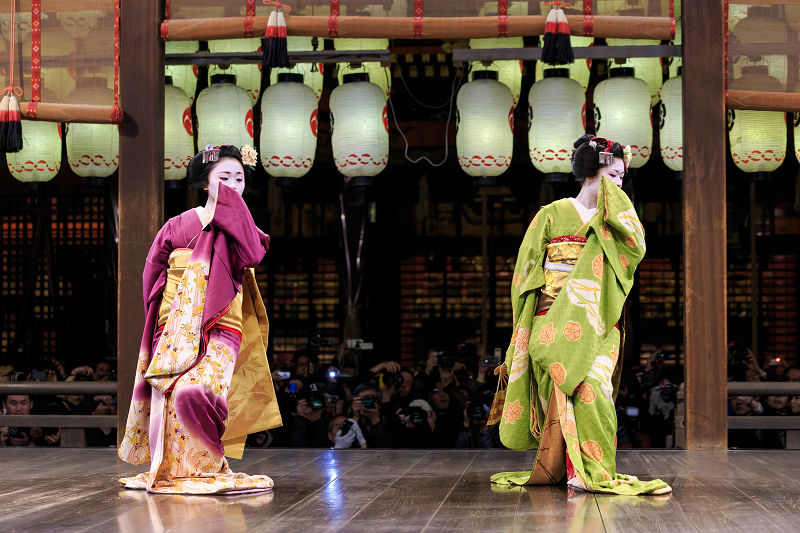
{"x":415,"y":415}
{"x":316,"y":342}
{"x":390,"y":379}
{"x":445,"y":360}
{"x":18,"y":433}
{"x":669,"y":393}
{"x":369,"y":401}
{"x":476,"y":411}
{"x":463,"y":376}
{"x":737,"y":355}
{"x":345,"y":426}
{"x":313,"y":396}
{"x":491,"y":360}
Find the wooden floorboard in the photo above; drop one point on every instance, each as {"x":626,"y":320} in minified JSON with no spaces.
{"x":58,"y":491}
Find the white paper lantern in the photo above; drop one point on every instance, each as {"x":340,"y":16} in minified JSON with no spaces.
{"x":40,"y":157}
{"x":80,"y":23}
{"x":647,"y":69}
{"x":485,"y":127}
{"x":378,"y":75}
{"x":224,"y":114}
{"x":556,"y":117}
{"x":312,"y":79}
{"x":671,"y":123}
{"x":579,"y":70}
{"x":248,"y":76}
{"x":178,"y":135}
{"x":289,"y":131}
{"x":360,"y":125}
{"x":757,"y":138}
{"x":93,"y":149}
{"x":622,"y":113}
{"x":509,"y":72}
{"x":183,"y":76}
{"x":761,"y":27}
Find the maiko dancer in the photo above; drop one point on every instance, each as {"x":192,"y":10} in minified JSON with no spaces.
{"x":203,"y":381}
{"x":574,"y":271}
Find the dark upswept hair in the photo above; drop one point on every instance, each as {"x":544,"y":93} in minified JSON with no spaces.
{"x":197,"y":172}
{"x":586,"y":159}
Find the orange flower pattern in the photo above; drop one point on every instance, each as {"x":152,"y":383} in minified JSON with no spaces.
{"x":630,"y":241}
{"x":606,"y":475}
{"x":517,"y":279}
{"x":614,"y":355}
{"x":548,"y":334}
{"x":572,"y":331}
{"x":597,"y":266}
{"x":534,"y":222}
{"x":514,"y":336}
{"x":571,"y":428}
{"x":512,"y":412}
{"x":558,"y":373}
{"x":615,"y":440}
{"x":575,"y":445}
{"x":623,"y":260}
{"x":523,"y":337}
{"x":586,"y":393}
{"x":606,"y":232}
{"x":592,"y":450}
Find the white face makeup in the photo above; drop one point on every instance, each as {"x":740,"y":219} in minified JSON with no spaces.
{"x":229,"y":173}
{"x":613,"y":172}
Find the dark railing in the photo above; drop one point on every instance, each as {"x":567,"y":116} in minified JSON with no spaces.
{"x":769,"y":388}
{"x":72,"y":434}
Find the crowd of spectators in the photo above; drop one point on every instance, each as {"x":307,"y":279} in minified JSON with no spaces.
{"x":50,"y":369}
{"x":744,"y":366}
{"x":443,"y":401}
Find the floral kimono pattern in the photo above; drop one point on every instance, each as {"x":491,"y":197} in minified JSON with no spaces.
{"x":563,"y":365}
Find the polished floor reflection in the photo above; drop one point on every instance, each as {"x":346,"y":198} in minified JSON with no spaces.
{"x":55,"y":490}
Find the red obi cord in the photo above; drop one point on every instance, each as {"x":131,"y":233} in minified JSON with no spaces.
{"x":568,"y":238}
{"x":217,"y":326}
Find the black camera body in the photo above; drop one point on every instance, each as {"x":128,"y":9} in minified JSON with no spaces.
{"x":345,"y":426}
{"x":18,"y":433}
{"x":476,"y":412}
{"x":445,"y":360}
{"x":669,"y":393}
{"x":313,"y":396}
{"x":415,"y":415}
{"x":369,"y":401}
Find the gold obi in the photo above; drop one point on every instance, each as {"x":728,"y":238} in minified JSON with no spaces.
{"x":178,"y":260}
{"x":561,"y":251}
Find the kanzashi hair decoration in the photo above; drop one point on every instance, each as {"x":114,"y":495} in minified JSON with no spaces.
{"x":210,"y":154}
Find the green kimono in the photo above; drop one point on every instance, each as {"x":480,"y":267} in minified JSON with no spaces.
{"x":561,"y":365}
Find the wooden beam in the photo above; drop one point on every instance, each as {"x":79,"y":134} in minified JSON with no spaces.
{"x":763,"y":101}
{"x":705,"y":259}
{"x":581,"y":52}
{"x":658,"y":28}
{"x":141,"y":177}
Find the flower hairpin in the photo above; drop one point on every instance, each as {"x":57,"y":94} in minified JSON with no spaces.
{"x":249,"y":156}
{"x":593,"y":144}
{"x":628,"y":155}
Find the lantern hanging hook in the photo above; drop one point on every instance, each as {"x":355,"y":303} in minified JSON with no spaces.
{"x":278,"y":5}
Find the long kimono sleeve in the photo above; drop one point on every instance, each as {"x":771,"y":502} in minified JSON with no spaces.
{"x":232,"y":217}
{"x":528,"y":273}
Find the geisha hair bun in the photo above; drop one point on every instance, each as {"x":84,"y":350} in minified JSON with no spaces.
{"x":197,"y":171}
{"x":585,"y":158}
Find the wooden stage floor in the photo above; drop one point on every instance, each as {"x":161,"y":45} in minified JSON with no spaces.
{"x":55,"y":490}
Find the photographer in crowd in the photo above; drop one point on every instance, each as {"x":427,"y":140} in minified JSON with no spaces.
{"x":21,"y":405}
{"x":369,"y":416}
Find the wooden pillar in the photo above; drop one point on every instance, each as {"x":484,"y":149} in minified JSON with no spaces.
{"x":141,"y":177}
{"x":704,"y":237}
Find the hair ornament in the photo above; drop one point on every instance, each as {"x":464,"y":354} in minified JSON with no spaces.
{"x":249,"y":156}
{"x":210,"y":154}
{"x":628,"y":155}
{"x":593,"y":144}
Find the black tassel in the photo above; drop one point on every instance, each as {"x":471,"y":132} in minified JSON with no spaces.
{"x":13,"y":132}
{"x":557,"y":47}
{"x":3,"y":120}
{"x":276,"y":51}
